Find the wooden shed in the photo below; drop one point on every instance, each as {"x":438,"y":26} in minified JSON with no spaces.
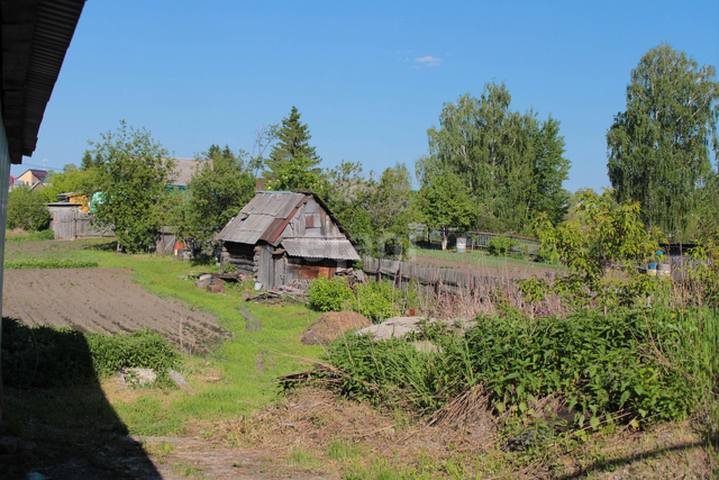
{"x":280,"y":237}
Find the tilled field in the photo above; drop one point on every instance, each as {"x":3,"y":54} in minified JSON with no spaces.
{"x":104,"y":301}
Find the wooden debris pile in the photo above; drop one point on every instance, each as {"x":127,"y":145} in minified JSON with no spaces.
{"x":293,"y":291}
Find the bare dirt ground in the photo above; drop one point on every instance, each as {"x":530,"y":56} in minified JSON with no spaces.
{"x":104,"y":301}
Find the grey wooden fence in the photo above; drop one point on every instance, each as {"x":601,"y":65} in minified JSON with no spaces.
{"x":437,"y":279}
{"x":69,"y":224}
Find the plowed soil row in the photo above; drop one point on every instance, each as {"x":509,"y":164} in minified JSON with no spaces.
{"x":104,"y":301}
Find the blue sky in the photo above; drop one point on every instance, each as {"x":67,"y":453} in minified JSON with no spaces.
{"x":369,"y":78}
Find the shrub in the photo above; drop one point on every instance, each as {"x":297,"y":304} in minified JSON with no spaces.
{"x":329,"y":295}
{"x":142,"y":349}
{"x":26,"y":210}
{"x":501,"y":246}
{"x":377,"y":301}
{"x":599,"y":364}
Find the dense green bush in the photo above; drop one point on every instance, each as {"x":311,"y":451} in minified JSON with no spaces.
{"x":501,"y":246}
{"x":27,"y":210}
{"x":44,"y":356}
{"x":142,"y":349}
{"x":329,"y":295}
{"x":379,"y":301}
{"x":602,"y":365}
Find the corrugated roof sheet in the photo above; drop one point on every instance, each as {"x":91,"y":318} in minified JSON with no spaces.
{"x":256,"y":218}
{"x":35,"y":37}
{"x":333,"y":248}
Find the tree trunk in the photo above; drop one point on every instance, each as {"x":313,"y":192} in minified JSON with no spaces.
{"x":444,"y":238}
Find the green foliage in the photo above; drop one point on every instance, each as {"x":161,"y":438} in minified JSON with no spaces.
{"x":43,"y":356}
{"x":501,"y":246}
{"x":141,"y":349}
{"x":27,"y":210}
{"x":48,"y":263}
{"x":329,"y":295}
{"x":68,"y":181}
{"x":218,"y":191}
{"x":599,"y":364}
{"x":391,"y":371}
{"x":379,"y":301}
{"x":511,"y":163}
{"x":446,"y":202}
{"x":296,"y":175}
{"x":602,"y":248}
{"x":132,"y":186}
{"x":659,"y":148}
{"x":292,"y":163}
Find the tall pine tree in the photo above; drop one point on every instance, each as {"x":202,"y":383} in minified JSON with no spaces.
{"x":292,"y":156}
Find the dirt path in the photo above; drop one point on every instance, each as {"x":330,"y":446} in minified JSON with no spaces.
{"x":104,"y":301}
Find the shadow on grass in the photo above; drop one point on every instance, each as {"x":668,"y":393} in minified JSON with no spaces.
{"x":613,"y":465}
{"x":60,"y":422}
{"x":102,"y":246}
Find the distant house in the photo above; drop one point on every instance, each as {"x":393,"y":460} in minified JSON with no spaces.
{"x":31,"y":178}
{"x":185,"y":168}
{"x":280,"y":237}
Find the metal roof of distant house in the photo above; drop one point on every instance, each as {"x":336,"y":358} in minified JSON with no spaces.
{"x":35,"y":37}
{"x":185,"y":168}
{"x":39,"y":174}
{"x":265,"y":217}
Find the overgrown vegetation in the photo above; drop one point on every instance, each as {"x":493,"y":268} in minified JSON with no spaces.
{"x":27,"y":210}
{"x":377,"y":301}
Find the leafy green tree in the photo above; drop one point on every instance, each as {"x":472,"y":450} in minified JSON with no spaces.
{"x":550,"y":171}
{"x":218,"y":192}
{"x":296,"y":175}
{"x":27,"y":210}
{"x":343,"y":190}
{"x":389,"y":211}
{"x":446,"y":202}
{"x":292,"y":155}
{"x":660,"y":148}
{"x":132,"y":186}
{"x":511,"y":163}
{"x":68,"y":181}
{"x":604,"y":237}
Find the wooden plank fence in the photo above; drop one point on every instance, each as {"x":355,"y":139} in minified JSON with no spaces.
{"x":69,"y":224}
{"x":437,"y":279}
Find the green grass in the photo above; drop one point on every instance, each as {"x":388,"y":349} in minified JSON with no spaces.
{"x":45,"y":263}
{"x":242,"y":387}
{"x":30,"y":236}
{"x":478,"y":257}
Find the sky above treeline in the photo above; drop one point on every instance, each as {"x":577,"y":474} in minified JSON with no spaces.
{"x":369,"y":78}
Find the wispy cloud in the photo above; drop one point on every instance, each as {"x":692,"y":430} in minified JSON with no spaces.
{"x":429,"y":61}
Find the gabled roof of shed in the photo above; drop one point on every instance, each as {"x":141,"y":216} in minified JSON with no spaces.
{"x":266,"y":216}
{"x":262,"y":218}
